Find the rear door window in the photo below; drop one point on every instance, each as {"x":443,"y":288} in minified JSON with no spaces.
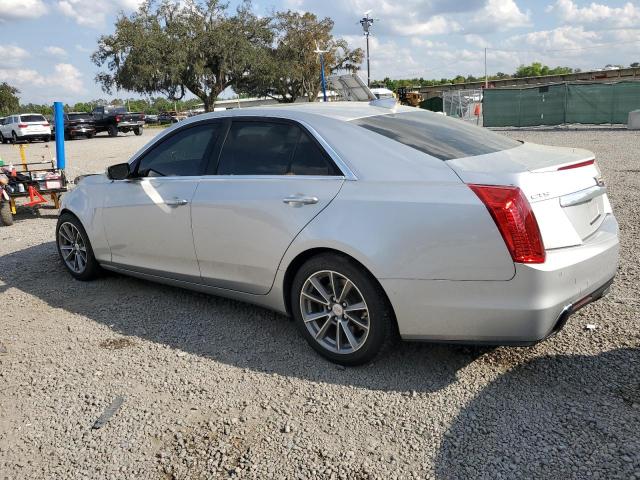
{"x":271,"y":148}
{"x":437,"y":135}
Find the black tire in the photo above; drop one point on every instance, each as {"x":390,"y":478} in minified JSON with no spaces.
{"x":113,"y":131}
{"x":381,"y":324}
{"x":2,"y":139}
{"x":138,"y":131}
{"x":92,"y":269}
{"x":5,"y":213}
{"x":47,"y":139}
{"x":67,"y":137}
{"x":89,"y":135}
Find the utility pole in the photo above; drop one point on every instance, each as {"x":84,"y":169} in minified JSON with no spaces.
{"x":366,"y":23}
{"x":486,"y":78}
{"x":324,"y":83}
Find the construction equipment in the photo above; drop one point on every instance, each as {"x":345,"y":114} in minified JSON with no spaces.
{"x":411,"y":99}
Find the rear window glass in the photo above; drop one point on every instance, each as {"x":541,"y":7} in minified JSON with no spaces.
{"x":80,"y":116}
{"x":115,"y":110}
{"x":32,"y":118}
{"x":442,"y":137}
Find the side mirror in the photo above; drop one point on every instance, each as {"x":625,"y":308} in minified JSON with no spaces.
{"x":121,"y":171}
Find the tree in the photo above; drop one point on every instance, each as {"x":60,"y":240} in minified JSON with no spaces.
{"x":9,"y":101}
{"x":290,"y":68}
{"x":174,"y":47}
{"x":537,"y":69}
{"x":635,"y":65}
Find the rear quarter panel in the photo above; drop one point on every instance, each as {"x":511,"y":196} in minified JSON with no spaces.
{"x":412,"y":230}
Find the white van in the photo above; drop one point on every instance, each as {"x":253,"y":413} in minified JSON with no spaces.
{"x":27,"y":126}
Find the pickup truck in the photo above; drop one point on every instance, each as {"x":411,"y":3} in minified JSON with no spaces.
{"x":115,"y":119}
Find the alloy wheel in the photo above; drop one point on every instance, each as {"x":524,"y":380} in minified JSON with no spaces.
{"x":334,"y":312}
{"x":72,"y":247}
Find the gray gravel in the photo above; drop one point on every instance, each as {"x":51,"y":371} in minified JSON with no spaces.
{"x":215,"y":388}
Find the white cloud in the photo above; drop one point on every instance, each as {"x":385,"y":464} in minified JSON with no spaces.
{"x":498,"y":15}
{"x":627,"y":16}
{"x":56,"y":51}
{"x":437,"y":25}
{"x":21,"y":9}
{"x":562,"y":38}
{"x":94,"y":14}
{"x":12,"y":55}
{"x":65,"y":80}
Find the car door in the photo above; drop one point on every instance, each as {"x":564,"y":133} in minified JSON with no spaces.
{"x":271,"y":179}
{"x":147,"y":218}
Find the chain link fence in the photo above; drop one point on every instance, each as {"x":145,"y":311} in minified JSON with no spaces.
{"x":463,"y":104}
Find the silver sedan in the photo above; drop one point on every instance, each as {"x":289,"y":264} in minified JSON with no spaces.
{"x":360,"y":222}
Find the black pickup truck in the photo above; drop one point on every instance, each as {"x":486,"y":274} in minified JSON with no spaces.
{"x":114,"y":119}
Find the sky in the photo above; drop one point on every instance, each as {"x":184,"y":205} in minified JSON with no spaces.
{"x":46,"y":45}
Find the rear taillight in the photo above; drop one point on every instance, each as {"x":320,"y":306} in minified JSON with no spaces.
{"x":514,"y":218}
{"x":45,"y":124}
{"x":118,"y":118}
{"x":22,"y":125}
{"x":578,"y":165}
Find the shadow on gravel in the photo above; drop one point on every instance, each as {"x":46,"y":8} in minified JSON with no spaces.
{"x":227,"y":331}
{"x":554,"y":417}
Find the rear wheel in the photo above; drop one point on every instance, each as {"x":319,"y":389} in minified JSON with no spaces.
{"x":138,"y":131}
{"x":75,"y":249}
{"x":113,"y":131}
{"x":5,"y":213}
{"x":341,"y":310}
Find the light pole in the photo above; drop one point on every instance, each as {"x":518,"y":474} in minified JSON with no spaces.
{"x":366,"y":23}
{"x":324,"y":84}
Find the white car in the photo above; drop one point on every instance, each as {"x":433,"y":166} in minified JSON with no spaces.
{"x":358,"y":221}
{"x":26,"y":126}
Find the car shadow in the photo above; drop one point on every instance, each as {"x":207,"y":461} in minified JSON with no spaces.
{"x":227,"y":331}
{"x":552,"y":417}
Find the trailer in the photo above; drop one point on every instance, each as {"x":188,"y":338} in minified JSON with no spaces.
{"x":29,"y":186}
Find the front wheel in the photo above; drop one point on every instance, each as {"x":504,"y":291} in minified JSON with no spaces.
{"x":341,"y":310}
{"x":5,"y":213}
{"x":75,"y":249}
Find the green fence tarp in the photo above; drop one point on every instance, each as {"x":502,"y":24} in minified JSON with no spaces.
{"x":588,"y":103}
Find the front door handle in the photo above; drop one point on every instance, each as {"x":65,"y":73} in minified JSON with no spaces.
{"x":177,"y":202}
{"x":299,"y":200}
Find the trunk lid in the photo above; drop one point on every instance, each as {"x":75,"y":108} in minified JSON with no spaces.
{"x":570,"y":204}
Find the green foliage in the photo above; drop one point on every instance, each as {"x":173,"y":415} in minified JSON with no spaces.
{"x":174,"y":47}
{"x":290,"y":68}
{"x":537,"y":69}
{"x":9,"y":101}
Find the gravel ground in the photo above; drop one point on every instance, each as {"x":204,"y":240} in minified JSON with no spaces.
{"x":215,"y":388}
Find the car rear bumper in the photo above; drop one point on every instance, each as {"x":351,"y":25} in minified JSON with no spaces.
{"x":25,"y":136}
{"x":130,"y":124}
{"x":524,"y":310}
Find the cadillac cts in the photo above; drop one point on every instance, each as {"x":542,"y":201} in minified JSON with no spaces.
{"x":360,"y":222}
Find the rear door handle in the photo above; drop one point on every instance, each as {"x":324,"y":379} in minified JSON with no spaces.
{"x":177,"y":202}
{"x":299,"y":200}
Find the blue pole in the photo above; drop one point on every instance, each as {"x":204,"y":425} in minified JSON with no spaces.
{"x":324,"y":87}
{"x":58,"y":112}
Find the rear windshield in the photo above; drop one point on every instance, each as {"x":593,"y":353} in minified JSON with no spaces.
{"x":442,"y":137}
{"x":115,"y":110}
{"x":80,"y":116}
{"x":32,"y":118}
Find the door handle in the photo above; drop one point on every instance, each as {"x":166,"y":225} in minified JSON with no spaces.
{"x":299,"y":200}
{"x":177,"y":202}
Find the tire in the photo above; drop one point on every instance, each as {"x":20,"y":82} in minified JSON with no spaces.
{"x":372,"y":328}
{"x":5,"y":213}
{"x":47,"y":139}
{"x":138,"y":131}
{"x":113,"y":131}
{"x":72,"y":229}
{"x":2,"y":139}
{"x":89,"y":135}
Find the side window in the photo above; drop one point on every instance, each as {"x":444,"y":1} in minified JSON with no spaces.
{"x":271,"y":148}
{"x":309,"y":159}
{"x":258,"y":148}
{"x":182,"y":154}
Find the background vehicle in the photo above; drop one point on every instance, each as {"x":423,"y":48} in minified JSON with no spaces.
{"x":151,"y":119}
{"x":357,"y":220}
{"x":167,"y":117}
{"x":76,"y":124}
{"x":26,"y":126}
{"x":114,"y":119}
